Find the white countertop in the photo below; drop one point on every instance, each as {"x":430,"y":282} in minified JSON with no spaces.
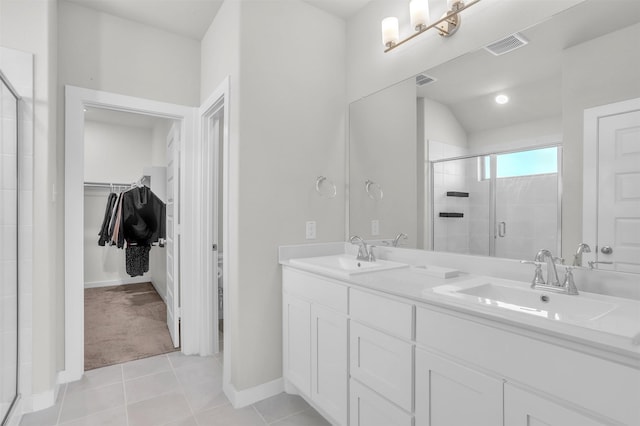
{"x":615,"y":336}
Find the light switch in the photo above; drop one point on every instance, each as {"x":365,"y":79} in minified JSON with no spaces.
{"x":311,"y":230}
{"x":375,"y":227}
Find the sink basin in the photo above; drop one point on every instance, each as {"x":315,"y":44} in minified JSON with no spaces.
{"x":559,"y":307}
{"x":344,"y":265}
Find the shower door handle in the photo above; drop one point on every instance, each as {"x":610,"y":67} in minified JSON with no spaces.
{"x":502,"y":229}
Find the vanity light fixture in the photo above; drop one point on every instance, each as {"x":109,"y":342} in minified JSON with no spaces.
{"x":502,"y":99}
{"x":419,"y":12}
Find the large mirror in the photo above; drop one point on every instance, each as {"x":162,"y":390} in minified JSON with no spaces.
{"x":437,"y":158}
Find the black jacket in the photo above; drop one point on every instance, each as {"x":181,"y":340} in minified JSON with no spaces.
{"x":143,"y":218}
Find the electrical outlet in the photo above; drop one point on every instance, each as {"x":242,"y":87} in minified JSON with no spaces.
{"x":375,"y":227}
{"x":311,"y":230}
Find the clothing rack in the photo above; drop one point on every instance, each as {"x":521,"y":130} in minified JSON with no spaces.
{"x":113,"y":185}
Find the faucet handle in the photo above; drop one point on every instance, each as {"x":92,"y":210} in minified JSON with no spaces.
{"x":372,"y":256}
{"x":537,"y":277}
{"x":569,"y":283}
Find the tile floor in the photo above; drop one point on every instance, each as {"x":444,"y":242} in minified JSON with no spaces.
{"x":165,"y":390}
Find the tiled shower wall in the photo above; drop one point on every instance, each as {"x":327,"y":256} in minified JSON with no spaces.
{"x":18,"y":67}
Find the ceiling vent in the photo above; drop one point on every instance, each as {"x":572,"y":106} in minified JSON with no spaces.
{"x":507,"y":44}
{"x":422,"y":79}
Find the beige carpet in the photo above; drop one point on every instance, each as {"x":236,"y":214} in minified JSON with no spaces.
{"x":123,"y":323}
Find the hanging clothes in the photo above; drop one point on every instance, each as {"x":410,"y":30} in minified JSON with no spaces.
{"x":104,"y":235}
{"x":143,"y":217}
{"x":137,"y":260}
{"x":136,"y":219}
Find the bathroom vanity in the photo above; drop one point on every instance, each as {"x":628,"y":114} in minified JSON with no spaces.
{"x":406,"y":346}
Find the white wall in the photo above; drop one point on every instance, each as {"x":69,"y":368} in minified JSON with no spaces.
{"x":522,"y":135}
{"x":114,"y":153}
{"x":370,"y":69}
{"x":593,"y":73}
{"x":382,"y":139}
{"x":38,"y":20}
{"x":287,"y":128}
{"x":104,"y":52}
{"x":441,"y":125}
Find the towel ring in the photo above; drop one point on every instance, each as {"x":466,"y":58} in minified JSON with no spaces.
{"x":374,"y":191}
{"x":325,"y":187}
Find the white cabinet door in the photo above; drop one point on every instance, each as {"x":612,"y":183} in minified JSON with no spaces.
{"x":329,"y":362}
{"x":367,"y":408}
{"x":383,"y":363}
{"x":450,"y":394}
{"x":522,"y":408}
{"x":297,"y":343}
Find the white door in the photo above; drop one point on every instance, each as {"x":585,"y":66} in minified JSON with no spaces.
{"x":173,"y":237}
{"x":451,"y":394}
{"x":618,"y":235}
{"x":522,"y":408}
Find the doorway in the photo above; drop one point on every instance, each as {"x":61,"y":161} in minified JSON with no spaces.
{"x":127,"y":284}
{"x":78,"y":101}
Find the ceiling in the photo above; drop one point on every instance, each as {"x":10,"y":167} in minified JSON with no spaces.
{"x":530,"y":76}
{"x":192,"y":18}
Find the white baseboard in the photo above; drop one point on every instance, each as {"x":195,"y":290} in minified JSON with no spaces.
{"x":123,"y":281}
{"x":42,"y":400}
{"x":252,"y":395}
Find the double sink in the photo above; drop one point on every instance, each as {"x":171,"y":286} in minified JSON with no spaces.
{"x":610,"y":314}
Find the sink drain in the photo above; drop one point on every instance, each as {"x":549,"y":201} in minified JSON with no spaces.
{"x":544,"y":298}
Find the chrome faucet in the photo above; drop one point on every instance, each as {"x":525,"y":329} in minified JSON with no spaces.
{"x":577,"y":258}
{"x":364,"y":252}
{"x":398,"y":237}
{"x":568,"y":286}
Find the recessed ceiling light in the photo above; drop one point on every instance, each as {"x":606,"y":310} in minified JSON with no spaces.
{"x":502,"y":99}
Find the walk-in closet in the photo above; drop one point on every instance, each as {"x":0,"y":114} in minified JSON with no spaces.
{"x":125,"y":255}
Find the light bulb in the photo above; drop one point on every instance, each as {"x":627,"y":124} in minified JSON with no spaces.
{"x":502,"y":99}
{"x":419,"y":11}
{"x":390,"y":31}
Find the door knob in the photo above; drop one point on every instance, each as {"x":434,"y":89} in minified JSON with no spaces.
{"x":606,"y":250}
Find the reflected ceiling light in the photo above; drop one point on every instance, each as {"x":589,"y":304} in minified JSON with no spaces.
{"x":419,"y":12}
{"x":502,"y":99}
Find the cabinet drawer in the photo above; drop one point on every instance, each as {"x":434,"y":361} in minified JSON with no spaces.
{"x":383,"y":363}
{"x":369,"y":409}
{"x":315,"y":289}
{"x":382,"y":313}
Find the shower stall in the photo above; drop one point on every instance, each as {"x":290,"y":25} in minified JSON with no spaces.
{"x":505,"y":204}
{"x":8,"y":248}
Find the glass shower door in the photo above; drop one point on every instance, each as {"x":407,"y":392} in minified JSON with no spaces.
{"x":527,"y":203}
{"x":8,"y":249}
